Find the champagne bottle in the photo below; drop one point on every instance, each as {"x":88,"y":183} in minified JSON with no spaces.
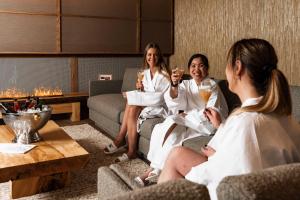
{"x":6,"y":109}
{"x":16,"y":105}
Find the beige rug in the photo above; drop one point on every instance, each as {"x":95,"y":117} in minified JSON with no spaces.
{"x":83,"y":182}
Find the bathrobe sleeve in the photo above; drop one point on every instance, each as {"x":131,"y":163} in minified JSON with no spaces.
{"x":195,"y":118}
{"x":153,"y":94}
{"x":144,"y":98}
{"x":178,"y":103}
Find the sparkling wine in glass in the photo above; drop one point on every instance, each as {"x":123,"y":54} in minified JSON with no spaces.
{"x":205,"y":90}
{"x":178,"y":71}
{"x":140,"y":76}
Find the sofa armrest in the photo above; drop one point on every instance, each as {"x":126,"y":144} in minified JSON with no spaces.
{"x":177,"y":190}
{"x":104,"y":87}
{"x":279,"y":182}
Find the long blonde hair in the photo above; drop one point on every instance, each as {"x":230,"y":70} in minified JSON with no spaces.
{"x":259,"y":58}
{"x":160,"y":60}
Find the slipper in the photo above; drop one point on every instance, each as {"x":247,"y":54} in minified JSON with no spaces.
{"x":153,"y":175}
{"x":139,"y":181}
{"x":112,"y":148}
{"x":122,"y":158}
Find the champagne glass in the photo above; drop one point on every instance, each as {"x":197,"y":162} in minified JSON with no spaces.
{"x":140,"y":76}
{"x":179,"y":71}
{"x":205,"y":90}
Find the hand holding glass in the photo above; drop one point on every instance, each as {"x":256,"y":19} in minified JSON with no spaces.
{"x":140,"y":76}
{"x":205,"y":90}
{"x":177,"y":73}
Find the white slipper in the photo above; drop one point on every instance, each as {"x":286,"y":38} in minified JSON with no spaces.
{"x":153,"y":175}
{"x":122,"y":158}
{"x":112,"y":148}
{"x":139,"y":181}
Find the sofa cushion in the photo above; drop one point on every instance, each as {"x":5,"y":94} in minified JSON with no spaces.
{"x":172,"y":190}
{"x":109,"y":105}
{"x":109,"y":184}
{"x":281,"y":182}
{"x":295,"y":93}
{"x":232,"y":99}
{"x":128,"y":170}
{"x":148,"y":125}
{"x":121,"y":116}
{"x":129,"y":79}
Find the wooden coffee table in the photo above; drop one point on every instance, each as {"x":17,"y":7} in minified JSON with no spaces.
{"x":44,"y":168}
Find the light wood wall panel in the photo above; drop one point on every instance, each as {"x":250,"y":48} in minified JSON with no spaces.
{"x":212,"y":26}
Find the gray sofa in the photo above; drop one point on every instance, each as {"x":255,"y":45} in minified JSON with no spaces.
{"x":277,"y":183}
{"x":116,"y":181}
{"x":106,"y":108}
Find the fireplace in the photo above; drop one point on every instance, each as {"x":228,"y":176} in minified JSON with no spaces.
{"x":15,"y":99}
{"x":16,"y":93}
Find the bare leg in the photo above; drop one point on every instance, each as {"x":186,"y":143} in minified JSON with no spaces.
{"x":179,"y":163}
{"x":132,"y":131}
{"x":120,"y":138}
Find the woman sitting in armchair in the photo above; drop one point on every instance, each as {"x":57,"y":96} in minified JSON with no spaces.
{"x":260,"y":134}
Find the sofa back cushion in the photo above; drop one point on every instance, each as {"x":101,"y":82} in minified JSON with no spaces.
{"x":232,"y":99}
{"x":129,"y":79}
{"x":295,"y":93}
{"x":280,"y":182}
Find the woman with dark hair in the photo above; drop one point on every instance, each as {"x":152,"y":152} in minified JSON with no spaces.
{"x":260,"y":134}
{"x":190,"y":122}
{"x":147,"y":102}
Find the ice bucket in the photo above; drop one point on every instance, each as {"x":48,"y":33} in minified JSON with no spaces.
{"x":26,"y":125}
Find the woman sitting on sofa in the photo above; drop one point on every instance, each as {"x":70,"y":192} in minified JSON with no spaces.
{"x":190,"y":123}
{"x":143,"y":103}
{"x":260,"y":134}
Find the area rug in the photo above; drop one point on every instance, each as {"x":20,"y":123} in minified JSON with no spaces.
{"x":83,"y":182}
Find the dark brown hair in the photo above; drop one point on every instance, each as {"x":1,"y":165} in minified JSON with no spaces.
{"x":203,"y":59}
{"x":259,"y":58}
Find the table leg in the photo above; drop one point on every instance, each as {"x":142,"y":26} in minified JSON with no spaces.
{"x":75,"y":115}
{"x":34,"y":185}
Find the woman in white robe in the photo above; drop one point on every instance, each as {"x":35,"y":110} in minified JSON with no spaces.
{"x":147,"y":102}
{"x":191,"y":122}
{"x":261,"y":134}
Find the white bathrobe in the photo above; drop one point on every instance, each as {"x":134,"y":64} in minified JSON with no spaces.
{"x":152,"y":98}
{"x":192,"y":125}
{"x":248,"y":142}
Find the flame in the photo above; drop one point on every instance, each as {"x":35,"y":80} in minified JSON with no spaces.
{"x":13,"y":93}
{"x":40,"y":91}
{"x":44,"y":91}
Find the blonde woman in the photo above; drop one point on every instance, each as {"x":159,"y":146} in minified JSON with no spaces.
{"x":260,"y":134}
{"x":143,"y":103}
